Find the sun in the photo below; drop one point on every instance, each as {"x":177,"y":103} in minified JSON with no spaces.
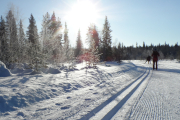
{"x":83,"y":13}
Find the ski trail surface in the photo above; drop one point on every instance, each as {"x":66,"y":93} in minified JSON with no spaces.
{"x":127,"y":91}
{"x":160,"y":100}
{"x":123,"y":102}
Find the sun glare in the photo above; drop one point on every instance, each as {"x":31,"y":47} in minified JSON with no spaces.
{"x":83,"y":13}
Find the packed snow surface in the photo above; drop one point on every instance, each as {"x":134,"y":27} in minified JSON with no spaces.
{"x":129,"y":90}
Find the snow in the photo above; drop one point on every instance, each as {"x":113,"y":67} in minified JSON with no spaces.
{"x":4,"y":72}
{"x":129,"y":90}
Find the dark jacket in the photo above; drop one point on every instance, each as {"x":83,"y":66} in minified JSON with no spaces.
{"x":148,"y":58}
{"x":155,"y":55}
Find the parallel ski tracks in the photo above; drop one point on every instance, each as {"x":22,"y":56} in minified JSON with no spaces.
{"x":109,"y":108}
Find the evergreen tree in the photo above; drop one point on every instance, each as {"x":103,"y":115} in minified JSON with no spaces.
{"x":106,"y":41}
{"x":4,"y":53}
{"x":12,"y":37}
{"x":93,"y":36}
{"x":35,"y":54}
{"x":51,"y":38}
{"x":144,"y":45}
{"x":66,"y":39}
{"x":22,"y":43}
{"x":66,"y":43}
{"x":119,"y":52}
{"x":92,"y":55}
{"x":32,"y":33}
{"x":79,"y":45}
{"x":46,"y":37}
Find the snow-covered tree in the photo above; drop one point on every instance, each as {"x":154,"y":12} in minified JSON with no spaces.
{"x":92,"y":55}
{"x":79,"y":45}
{"x":22,"y":43}
{"x":93,"y":35}
{"x":106,"y":41}
{"x":32,"y":32}
{"x":66,"y":48}
{"x":51,"y":38}
{"x":35,"y":55}
{"x":46,"y":37}
{"x":12,"y":37}
{"x":4,"y":52}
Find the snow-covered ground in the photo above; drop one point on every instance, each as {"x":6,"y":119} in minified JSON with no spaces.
{"x":130,"y":90}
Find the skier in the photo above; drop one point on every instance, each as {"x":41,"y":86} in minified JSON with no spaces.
{"x":148,"y":59}
{"x":155,"y":55}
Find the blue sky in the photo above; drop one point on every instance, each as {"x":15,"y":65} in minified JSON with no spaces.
{"x":131,"y":21}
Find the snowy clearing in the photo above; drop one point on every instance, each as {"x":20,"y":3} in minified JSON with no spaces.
{"x":130,"y":90}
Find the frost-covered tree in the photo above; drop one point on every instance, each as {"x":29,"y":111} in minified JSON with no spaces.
{"x":68,"y":52}
{"x":12,"y":37}
{"x":66,"y":38}
{"x":146,"y":53}
{"x":35,"y":55}
{"x":22,"y":43}
{"x":4,"y":52}
{"x":51,"y":38}
{"x":93,"y":36}
{"x":92,"y":55}
{"x":46,"y":37}
{"x":79,"y":45}
{"x":161,"y":55}
{"x":66,"y":48}
{"x":32,"y":33}
{"x":106,"y":41}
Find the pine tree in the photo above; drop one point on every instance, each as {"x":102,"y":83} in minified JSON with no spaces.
{"x":35,"y":54}
{"x":106,"y":41}
{"x":66,"y":43}
{"x":92,"y":55}
{"x":79,"y":45}
{"x":22,"y":43}
{"x":4,"y":52}
{"x":51,"y":38}
{"x":47,"y":36}
{"x":57,"y":40}
{"x":93,"y":36}
{"x":119,"y":54}
{"x":144,"y":45}
{"x":32,"y":33}
{"x":12,"y":37}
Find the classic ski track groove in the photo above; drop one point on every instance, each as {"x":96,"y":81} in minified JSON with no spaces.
{"x":112,"y":112}
{"x":151,"y":106}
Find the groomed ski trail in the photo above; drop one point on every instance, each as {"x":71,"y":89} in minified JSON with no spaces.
{"x":160,"y":100}
{"x":109,"y":108}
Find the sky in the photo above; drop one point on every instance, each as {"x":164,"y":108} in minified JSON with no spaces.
{"x":131,"y":21}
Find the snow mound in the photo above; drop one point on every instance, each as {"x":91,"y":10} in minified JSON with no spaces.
{"x":12,"y":103}
{"x":4,"y":72}
{"x":17,"y":70}
{"x":35,"y":72}
{"x":52,"y":71}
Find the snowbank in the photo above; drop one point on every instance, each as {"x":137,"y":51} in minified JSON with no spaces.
{"x":4,"y":72}
{"x":53,"y":71}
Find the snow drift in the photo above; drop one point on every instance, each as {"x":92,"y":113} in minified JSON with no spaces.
{"x":4,"y":72}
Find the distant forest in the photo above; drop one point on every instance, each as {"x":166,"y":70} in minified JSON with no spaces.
{"x":141,"y":52}
{"x":52,"y":45}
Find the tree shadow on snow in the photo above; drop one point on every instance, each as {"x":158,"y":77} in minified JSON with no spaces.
{"x":104,"y":74}
{"x":113,"y":97}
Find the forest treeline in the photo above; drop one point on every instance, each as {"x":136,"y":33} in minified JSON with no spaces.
{"x":52,"y":45}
